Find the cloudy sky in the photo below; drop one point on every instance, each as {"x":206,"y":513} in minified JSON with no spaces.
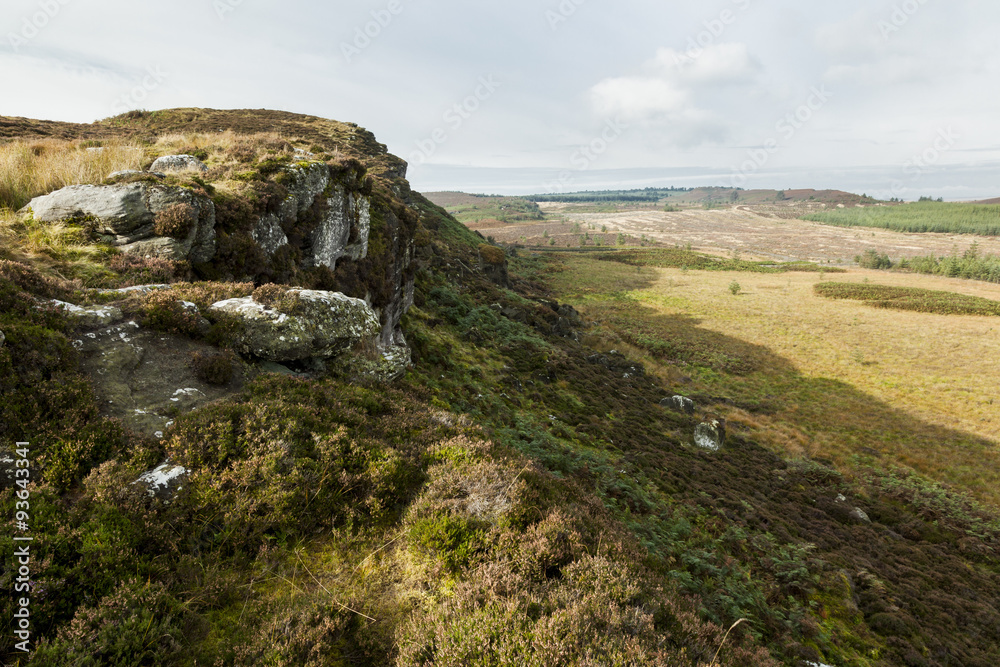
{"x":894,"y":97}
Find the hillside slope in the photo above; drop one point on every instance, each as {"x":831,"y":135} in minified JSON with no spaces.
{"x":526,"y":495}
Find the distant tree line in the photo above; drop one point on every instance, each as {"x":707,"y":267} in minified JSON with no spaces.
{"x":651,"y":195}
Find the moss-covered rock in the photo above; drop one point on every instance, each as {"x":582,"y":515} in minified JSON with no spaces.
{"x":321,"y":324}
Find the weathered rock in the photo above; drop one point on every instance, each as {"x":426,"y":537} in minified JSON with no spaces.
{"x":145,"y":378}
{"x":141,"y":289}
{"x":570,"y":314}
{"x":322,"y":325}
{"x":385,"y":365}
{"x":564,"y":328}
{"x":710,"y":435}
{"x":118,"y":209}
{"x":96,"y":316}
{"x":679,"y":403}
{"x":268,"y":234}
{"x":164,"y":481}
{"x":175,"y":163}
{"x":3,"y":339}
{"x":124,"y":215}
{"x":617,"y":362}
{"x":850,"y":512}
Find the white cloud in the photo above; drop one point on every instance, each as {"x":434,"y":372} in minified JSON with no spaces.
{"x":671,"y":99}
{"x":638,"y":97}
{"x":718,"y":64}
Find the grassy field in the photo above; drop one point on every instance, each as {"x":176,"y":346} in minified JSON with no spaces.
{"x":946,"y":218}
{"x":830,"y":380}
{"x":910,"y":298}
{"x":677,"y":258}
{"x":471,"y":209}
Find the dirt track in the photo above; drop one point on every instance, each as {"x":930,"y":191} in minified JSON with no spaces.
{"x":756,"y":231}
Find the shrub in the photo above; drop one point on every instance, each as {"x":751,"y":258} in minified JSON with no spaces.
{"x":734,"y":288}
{"x":175,"y":221}
{"x":491,"y":254}
{"x":163,"y":311}
{"x":279,"y":298}
{"x":870,"y":259}
{"x":138,"y":624}
{"x":139,"y":270}
{"x":216,"y":369}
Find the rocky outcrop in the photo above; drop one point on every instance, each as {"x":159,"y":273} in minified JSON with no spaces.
{"x":345,"y":217}
{"x":126,"y":216}
{"x":96,"y":316}
{"x":679,"y":404}
{"x":174,"y":163}
{"x":710,"y":435}
{"x":298,"y":325}
{"x":616,"y":362}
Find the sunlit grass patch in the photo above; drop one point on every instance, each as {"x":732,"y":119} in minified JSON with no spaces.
{"x":30,"y":168}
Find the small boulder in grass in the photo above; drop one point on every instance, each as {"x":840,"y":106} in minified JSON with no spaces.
{"x":679,"y":404}
{"x":175,"y":163}
{"x":710,"y":435}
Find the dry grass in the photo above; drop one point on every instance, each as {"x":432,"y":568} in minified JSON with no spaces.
{"x":36,"y":167}
{"x":841,"y":379}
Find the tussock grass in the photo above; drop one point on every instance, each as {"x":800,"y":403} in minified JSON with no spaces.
{"x":910,"y":298}
{"x":36,"y":167}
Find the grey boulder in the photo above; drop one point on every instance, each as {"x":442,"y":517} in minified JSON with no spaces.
{"x":679,"y":404}
{"x":321,"y":325}
{"x":710,"y":435}
{"x":125,"y":215}
{"x":175,"y":163}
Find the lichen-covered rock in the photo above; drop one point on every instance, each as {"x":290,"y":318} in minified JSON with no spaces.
{"x":320,"y":324}
{"x":710,"y":435}
{"x":679,"y":404}
{"x":386,"y":364}
{"x":268,"y":234}
{"x":125,"y":216}
{"x":175,"y":163}
{"x":96,"y":316}
{"x":146,"y":377}
{"x":117,"y":209}
{"x":164,"y":481}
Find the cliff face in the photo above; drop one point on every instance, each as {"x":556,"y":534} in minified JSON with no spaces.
{"x":279,"y":198}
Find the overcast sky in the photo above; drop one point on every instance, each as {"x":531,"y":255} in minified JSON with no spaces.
{"x":889,"y":97}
